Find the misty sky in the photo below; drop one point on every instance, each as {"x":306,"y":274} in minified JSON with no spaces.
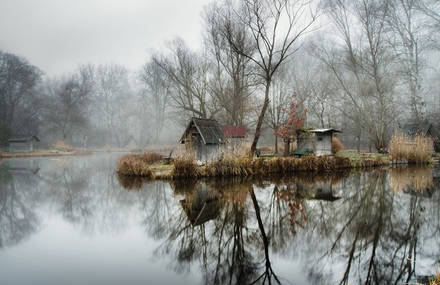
{"x":58,"y":35}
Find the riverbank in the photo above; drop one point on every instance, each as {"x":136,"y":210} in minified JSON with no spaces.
{"x":187,"y":167}
{"x":44,"y":153}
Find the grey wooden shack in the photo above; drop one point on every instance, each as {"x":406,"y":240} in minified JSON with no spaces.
{"x":23,"y":144}
{"x":317,"y":141}
{"x":204,"y":137}
{"x":423,"y":128}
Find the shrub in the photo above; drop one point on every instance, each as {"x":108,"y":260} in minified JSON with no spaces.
{"x":133,"y":165}
{"x":151,"y":157}
{"x":415,"y":150}
{"x":337,"y":145}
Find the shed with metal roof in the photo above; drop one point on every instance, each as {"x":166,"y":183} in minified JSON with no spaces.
{"x":315,"y":141}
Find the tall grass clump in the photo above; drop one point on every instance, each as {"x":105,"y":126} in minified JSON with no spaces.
{"x":337,"y":145}
{"x":185,"y":167}
{"x":415,"y":150}
{"x":133,"y":165}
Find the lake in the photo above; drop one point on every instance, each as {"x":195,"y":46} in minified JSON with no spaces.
{"x":72,"y":220}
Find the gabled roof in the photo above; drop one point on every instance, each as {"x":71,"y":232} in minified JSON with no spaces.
{"x":209,"y":130}
{"x":413,"y":128}
{"x":234,"y":131}
{"x":23,"y":139}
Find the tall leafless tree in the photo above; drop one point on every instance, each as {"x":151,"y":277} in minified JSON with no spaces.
{"x":276,"y":27}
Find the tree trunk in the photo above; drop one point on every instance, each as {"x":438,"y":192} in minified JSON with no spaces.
{"x":260,"y":120}
{"x":286,"y":147}
{"x":276,"y":144}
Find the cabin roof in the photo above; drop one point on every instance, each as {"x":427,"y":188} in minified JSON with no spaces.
{"x":234,"y":131}
{"x":413,"y":128}
{"x":208,"y":129}
{"x":23,"y":139}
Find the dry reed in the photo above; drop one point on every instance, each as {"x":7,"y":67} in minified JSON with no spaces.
{"x":337,"y":145}
{"x":135,"y":165}
{"x":185,"y":167}
{"x":415,"y":150}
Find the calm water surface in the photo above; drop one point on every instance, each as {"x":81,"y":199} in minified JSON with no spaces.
{"x":74,"y":221}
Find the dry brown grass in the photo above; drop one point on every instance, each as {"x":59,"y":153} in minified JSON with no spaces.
{"x":417,"y":150}
{"x":417,"y":179}
{"x":137,"y":164}
{"x":337,"y":145}
{"x":133,"y":165}
{"x":185,"y":167}
{"x":62,"y":146}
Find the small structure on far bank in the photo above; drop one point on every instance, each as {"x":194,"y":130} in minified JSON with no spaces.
{"x":204,"y":137}
{"x":23,"y":144}
{"x":315,"y":141}
{"x":424,"y":128}
{"x":234,"y":135}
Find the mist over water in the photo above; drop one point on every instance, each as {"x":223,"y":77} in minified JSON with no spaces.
{"x":74,"y":221}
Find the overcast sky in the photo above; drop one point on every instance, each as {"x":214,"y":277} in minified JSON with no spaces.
{"x":58,"y":35}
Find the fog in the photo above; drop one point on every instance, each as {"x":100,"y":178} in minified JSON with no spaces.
{"x":130,"y":74}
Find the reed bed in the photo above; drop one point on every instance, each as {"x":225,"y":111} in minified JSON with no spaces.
{"x":137,"y":165}
{"x":185,"y":167}
{"x":417,"y":150}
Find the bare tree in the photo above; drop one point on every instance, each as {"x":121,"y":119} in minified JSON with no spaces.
{"x":189,"y":74}
{"x":363,"y":66}
{"x":275,"y":27}
{"x":155,"y":95}
{"x":279,"y":100}
{"x":67,"y":103}
{"x":18,"y":92}
{"x":409,"y":43}
{"x":232,"y":77}
{"x":111,"y":96}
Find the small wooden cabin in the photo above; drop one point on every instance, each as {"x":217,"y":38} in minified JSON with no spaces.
{"x":317,"y":142}
{"x":234,"y":135}
{"x":23,"y":144}
{"x":204,"y":137}
{"x":424,"y":128}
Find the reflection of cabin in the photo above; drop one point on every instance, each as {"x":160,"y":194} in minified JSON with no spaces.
{"x":204,"y":137}
{"x":322,"y":190}
{"x":201,"y":206}
{"x":22,"y":166}
{"x":234,"y":135}
{"x":317,"y":141}
{"x":23,"y":144}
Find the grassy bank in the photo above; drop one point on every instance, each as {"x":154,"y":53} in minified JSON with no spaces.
{"x":233,"y":165}
{"x":44,"y":153}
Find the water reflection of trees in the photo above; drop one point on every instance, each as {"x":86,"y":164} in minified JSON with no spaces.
{"x":17,"y":215}
{"x":375,"y":231}
{"x":233,"y":228}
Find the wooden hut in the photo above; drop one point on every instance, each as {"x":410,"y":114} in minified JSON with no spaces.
{"x":424,"y":128}
{"x":316,"y":141}
{"x":204,"y":137}
{"x":23,"y":144}
{"x":234,"y":135}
